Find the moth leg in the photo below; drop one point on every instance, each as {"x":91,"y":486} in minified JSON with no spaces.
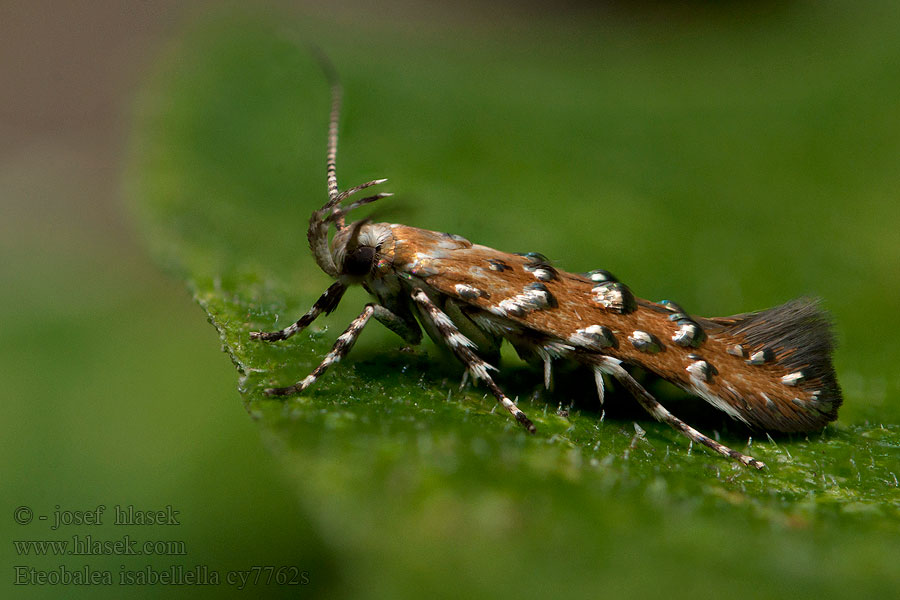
{"x":326,"y":303}
{"x":488,"y":343}
{"x":462,"y":347}
{"x":338,"y":351}
{"x":598,"y":380}
{"x":659,"y":412}
{"x":548,"y":372}
{"x":403,"y":325}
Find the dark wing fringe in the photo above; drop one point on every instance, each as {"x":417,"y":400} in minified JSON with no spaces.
{"x":799,"y":334}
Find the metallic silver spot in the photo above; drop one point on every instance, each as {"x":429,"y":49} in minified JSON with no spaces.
{"x":672,"y":307}
{"x":535,"y":296}
{"x":678,"y":313}
{"x":594,"y":336}
{"x":736,"y":350}
{"x":700,"y":369}
{"x":769,"y":404}
{"x":760,"y":357}
{"x":601,"y":276}
{"x":451,"y":241}
{"x":543,"y":274}
{"x":512,"y":307}
{"x":539,"y":267}
{"x":468,"y":292}
{"x":799,"y":403}
{"x":793,"y":379}
{"x":615,"y":296}
{"x":498,"y":265}
{"x":539,"y":295}
{"x":689,"y":334}
{"x":645,"y":342}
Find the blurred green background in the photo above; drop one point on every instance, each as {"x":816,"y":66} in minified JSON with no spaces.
{"x":729,"y":157}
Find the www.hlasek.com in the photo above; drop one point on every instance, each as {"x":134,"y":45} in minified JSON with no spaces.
{"x":173,"y":575}
{"x":88,"y":545}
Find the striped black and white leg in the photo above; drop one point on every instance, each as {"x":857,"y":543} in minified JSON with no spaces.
{"x":598,"y":380}
{"x":338,"y":351}
{"x":462,"y":347}
{"x":326,"y":303}
{"x":614,"y":367}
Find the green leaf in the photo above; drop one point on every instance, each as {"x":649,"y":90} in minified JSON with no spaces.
{"x":418,"y":483}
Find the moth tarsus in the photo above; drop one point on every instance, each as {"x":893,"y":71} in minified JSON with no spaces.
{"x":770,"y":370}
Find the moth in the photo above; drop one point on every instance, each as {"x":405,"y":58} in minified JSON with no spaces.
{"x":770,"y":370}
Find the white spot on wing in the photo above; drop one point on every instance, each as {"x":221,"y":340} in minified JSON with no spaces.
{"x":468,"y":292}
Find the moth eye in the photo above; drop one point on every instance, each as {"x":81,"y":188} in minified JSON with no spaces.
{"x":359,"y":262}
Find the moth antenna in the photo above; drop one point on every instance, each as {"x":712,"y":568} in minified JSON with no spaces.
{"x":338,"y":215}
{"x":331,"y":212}
{"x":337,"y":92}
{"x":317,"y":234}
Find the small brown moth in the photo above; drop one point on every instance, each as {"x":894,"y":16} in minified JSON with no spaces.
{"x":771,"y":369}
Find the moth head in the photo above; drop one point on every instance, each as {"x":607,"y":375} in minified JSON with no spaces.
{"x":357,"y":248}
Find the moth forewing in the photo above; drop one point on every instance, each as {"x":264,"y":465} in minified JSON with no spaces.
{"x":770,"y":369}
